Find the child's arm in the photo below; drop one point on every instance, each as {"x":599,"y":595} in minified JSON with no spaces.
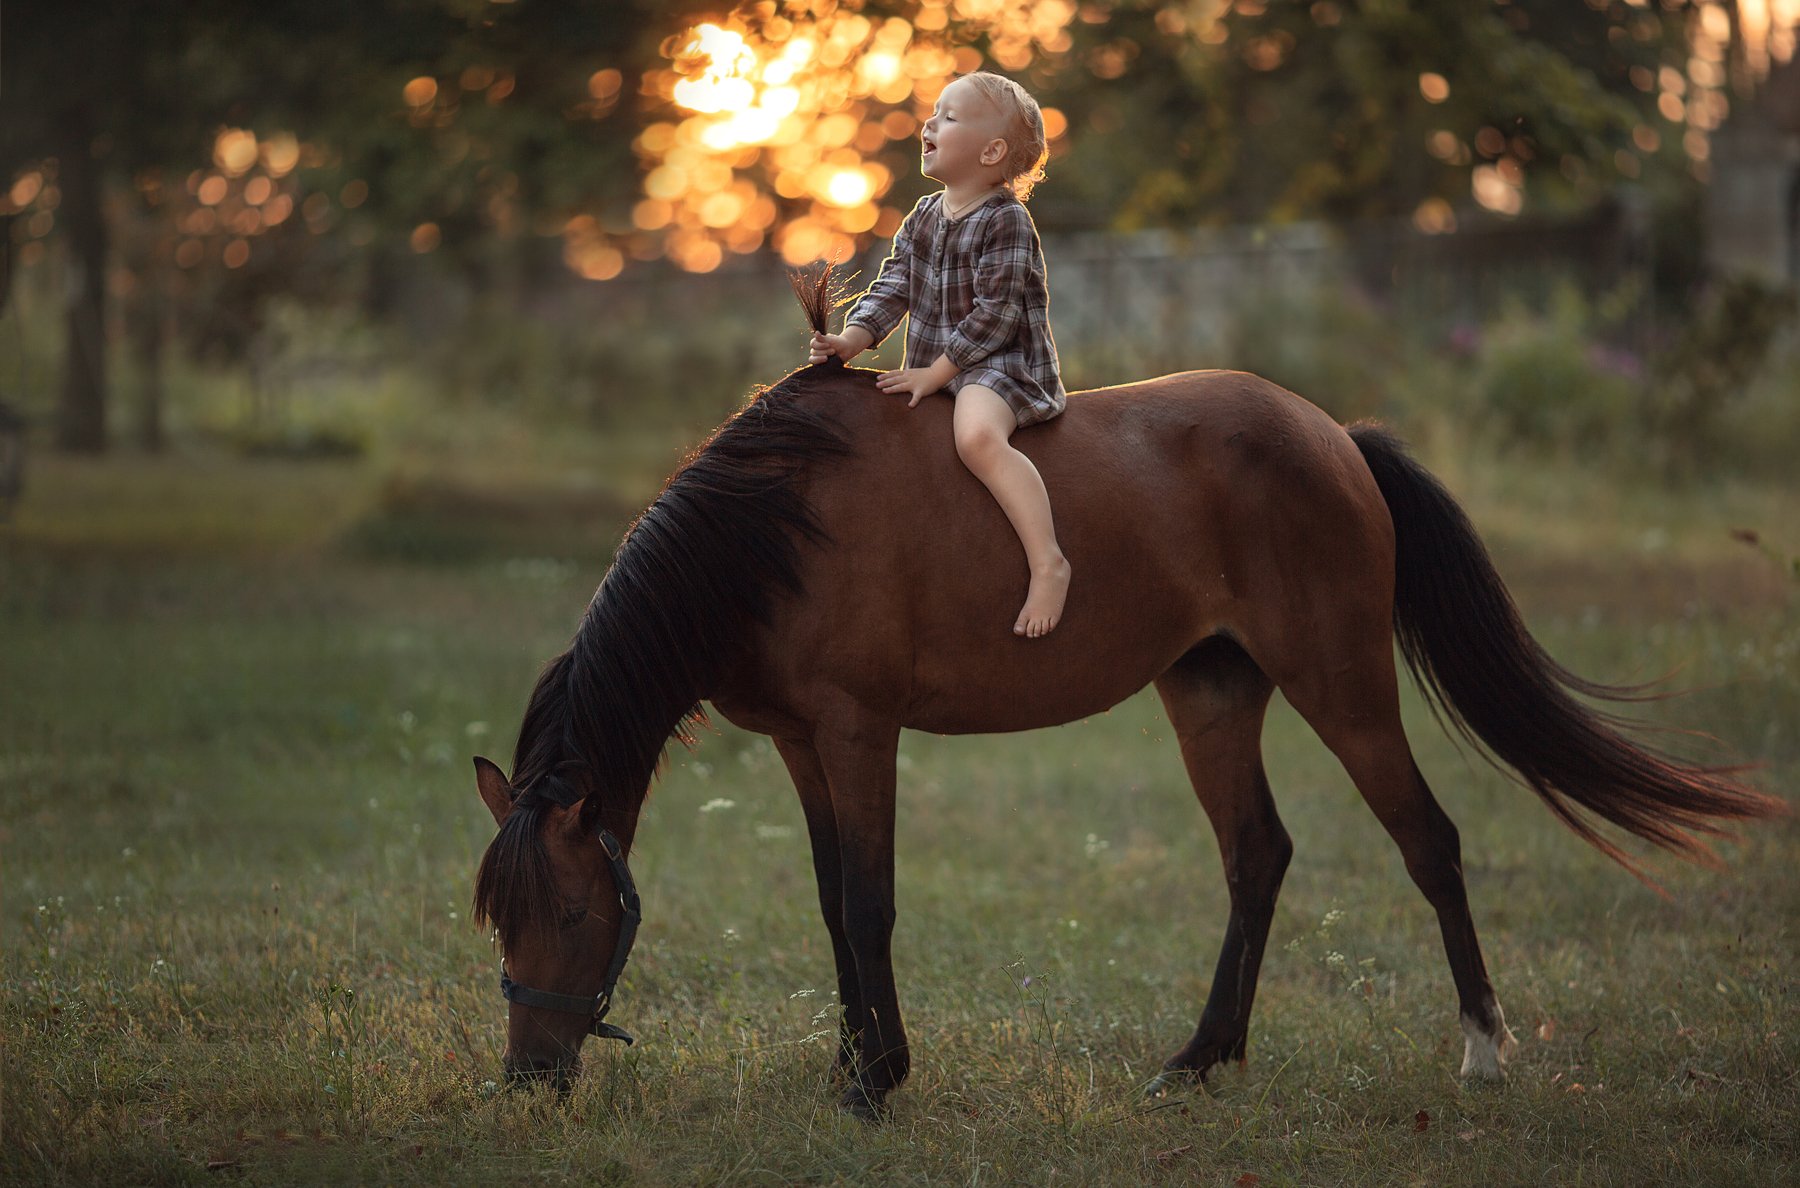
{"x":880,"y":308}
{"x":1009,"y":255}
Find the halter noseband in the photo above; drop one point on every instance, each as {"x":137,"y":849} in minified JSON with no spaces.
{"x":594,"y":1008}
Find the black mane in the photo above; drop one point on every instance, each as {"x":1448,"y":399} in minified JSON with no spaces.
{"x":694,"y":574}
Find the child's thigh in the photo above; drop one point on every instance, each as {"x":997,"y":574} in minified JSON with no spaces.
{"x":981,"y":411}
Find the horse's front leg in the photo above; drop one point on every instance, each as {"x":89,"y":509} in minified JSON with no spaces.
{"x":859,"y":769}
{"x":821,"y":827}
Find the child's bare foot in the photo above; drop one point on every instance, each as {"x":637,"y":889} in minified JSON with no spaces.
{"x":1044,"y":601}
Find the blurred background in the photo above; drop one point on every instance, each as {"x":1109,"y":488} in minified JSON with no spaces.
{"x":397,"y":233}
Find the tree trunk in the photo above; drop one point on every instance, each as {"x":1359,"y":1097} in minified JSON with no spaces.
{"x":81,"y":412}
{"x":6,"y":250}
{"x":147,"y":315}
{"x":147,"y":340}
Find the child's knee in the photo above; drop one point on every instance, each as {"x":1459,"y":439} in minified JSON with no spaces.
{"x":978,"y":443}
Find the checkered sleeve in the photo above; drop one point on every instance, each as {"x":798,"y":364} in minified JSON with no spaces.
{"x":1004,"y":269}
{"x":886,"y":301}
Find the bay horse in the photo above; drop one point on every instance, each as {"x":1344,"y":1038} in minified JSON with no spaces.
{"x":826,"y":571}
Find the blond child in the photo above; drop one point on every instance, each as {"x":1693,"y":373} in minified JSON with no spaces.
{"x":967,"y":270}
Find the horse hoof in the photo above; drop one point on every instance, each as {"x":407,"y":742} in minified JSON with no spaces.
{"x":857,"y":1102}
{"x":1170,"y":1081}
{"x":1487,"y":1049}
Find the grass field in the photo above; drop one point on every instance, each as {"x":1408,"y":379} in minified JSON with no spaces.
{"x":237,"y":705}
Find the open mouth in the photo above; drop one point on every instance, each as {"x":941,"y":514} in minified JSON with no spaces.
{"x":928,"y":146}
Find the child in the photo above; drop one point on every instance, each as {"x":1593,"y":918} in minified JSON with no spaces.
{"x":967,"y":267}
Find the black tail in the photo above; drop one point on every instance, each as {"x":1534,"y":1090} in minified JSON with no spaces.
{"x":1480,"y":669}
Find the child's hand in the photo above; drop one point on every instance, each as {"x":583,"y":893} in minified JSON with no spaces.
{"x":917,"y":382}
{"x":846,"y":346}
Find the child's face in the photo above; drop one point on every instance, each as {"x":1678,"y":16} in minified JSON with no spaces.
{"x":961,"y":142}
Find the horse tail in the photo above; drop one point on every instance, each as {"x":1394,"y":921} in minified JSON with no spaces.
{"x":1484,"y":675}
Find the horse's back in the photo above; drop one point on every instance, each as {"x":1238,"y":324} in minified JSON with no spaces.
{"x":1189,"y":505}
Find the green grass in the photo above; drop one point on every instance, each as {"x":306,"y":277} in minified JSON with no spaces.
{"x":237,"y":703}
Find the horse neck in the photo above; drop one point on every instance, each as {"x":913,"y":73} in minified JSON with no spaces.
{"x":611,"y":703}
{"x":694,"y":576}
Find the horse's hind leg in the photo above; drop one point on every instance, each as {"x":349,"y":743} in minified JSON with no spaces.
{"x":1215,"y":697}
{"x":1355,"y":709}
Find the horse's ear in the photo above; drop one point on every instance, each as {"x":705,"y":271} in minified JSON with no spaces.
{"x":490,"y":781}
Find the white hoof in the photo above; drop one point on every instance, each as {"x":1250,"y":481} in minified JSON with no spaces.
{"x":1485,"y":1052}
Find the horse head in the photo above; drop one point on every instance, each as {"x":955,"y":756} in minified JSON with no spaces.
{"x":555,"y":887}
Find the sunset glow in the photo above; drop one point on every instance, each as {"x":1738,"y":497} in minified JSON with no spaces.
{"x":789,"y":125}
{"x":777,"y":118}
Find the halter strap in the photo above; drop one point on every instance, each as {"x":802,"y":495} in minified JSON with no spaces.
{"x":631,"y":914}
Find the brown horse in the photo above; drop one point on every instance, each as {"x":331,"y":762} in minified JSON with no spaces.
{"x":825,"y":571}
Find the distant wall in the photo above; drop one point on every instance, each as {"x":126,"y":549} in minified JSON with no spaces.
{"x":1179,"y":296}
{"x":1753,"y":203}
{"x":1752,"y":217}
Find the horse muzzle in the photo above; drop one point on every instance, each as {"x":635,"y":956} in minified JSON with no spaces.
{"x":554,"y":1072}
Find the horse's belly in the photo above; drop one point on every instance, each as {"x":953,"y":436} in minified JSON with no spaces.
{"x":995,"y":681}
{"x":1002,"y":710}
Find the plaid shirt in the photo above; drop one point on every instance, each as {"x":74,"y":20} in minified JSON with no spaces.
{"x":975,"y":290}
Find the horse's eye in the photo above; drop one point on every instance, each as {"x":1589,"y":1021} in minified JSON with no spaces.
{"x":573,"y":916}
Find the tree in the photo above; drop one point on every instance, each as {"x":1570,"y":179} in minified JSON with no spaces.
{"x":456,"y":122}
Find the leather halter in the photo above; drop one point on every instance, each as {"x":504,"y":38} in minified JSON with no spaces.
{"x":594,"y":1008}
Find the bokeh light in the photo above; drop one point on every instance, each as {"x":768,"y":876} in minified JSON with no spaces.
{"x":1493,"y":189}
{"x":280,"y":153}
{"x":234,"y":151}
{"x":26,"y":189}
{"x":778,"y":117}
{"x":1435,"y":216}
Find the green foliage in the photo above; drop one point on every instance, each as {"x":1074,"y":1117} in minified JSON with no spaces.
{"x":1338,"y":349}
{"x":1314,"y":110}
{"x":1714,"y":363}
{"x":300,"y":444}
{"x":1546,"y":379}
{"x":643,"y":349}
{"x":435,"y":518}
{"x":1757,"y":431}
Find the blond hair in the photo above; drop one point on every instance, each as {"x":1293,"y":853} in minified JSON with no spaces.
{"x":1026,"y":148}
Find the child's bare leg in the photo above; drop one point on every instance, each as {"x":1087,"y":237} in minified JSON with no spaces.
{"x":983,"y":425}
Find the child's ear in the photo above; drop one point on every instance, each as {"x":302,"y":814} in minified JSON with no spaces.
{"x":994,"y":153}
